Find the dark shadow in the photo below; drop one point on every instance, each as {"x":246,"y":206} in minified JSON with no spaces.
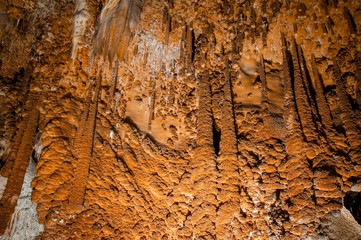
{"x":352,"y":201}
{"x":216,"y":138}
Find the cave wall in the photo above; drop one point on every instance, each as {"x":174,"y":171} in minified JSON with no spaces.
{"x":181,"y":119}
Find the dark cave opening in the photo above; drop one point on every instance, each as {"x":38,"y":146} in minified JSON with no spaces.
{"x":352,"y":201}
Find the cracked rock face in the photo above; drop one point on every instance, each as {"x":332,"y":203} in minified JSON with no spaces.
{"x":180,"y":119}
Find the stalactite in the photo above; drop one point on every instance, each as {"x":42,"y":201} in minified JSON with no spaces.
{"x":290,"y":106}
{"x":262,"y":75}
{"x":358,"y":79}
{"x":299,"y":186}
{"x":315,"y":24}
{"x":189,"y":47}
{"x":227,"y":161}
{"x":81,"y":24}
{"x":303,"y":106}
{"x":165,"y":17}
{"x":228,"y":127}
{"x":9,"y":130}
{"x":6,"y":170}
{"x":167,"y":21}
{"x":310,"y":92}
{"x":182,"y":50}
{"x":118,"y":20}
{"x":204,"y":166}
{"x":204,"y":115}
{"x":84,"y":144}
{"x":323,"y":108}
{"x":324,"y":28}
{"x":253,"y":24}
{"x":318,"y":161}
{"x":21,"y":162}
{"x":330,"y":25}
{"x":239,"y":42}
{"x":168,"y":30}
{"x":114,"y":83}
{"x":295,"y":27}
{"x":350,"y":21}
{"x":347,"y":115}
{"x":152,"y":95}
{"x":291,"y":117}
{"x":13,"y":128}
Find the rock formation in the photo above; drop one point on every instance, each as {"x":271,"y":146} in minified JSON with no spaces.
{"x":142,"y":119}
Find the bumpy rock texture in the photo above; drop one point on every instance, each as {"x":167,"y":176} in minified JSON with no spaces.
{"x":182,"y":119}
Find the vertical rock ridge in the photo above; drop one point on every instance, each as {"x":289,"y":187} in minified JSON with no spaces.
{"x":21,"y":161}
{"x":347,"y":114}
{"x":299,"y":185}
{"x":228,"y":180}
{"x":84,"y":146}
{"x":322,"y":105}
{"x":303,"y":106}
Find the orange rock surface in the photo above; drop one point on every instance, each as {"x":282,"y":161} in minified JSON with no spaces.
{"x":182,"y":119}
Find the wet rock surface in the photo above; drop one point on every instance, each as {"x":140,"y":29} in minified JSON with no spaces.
{"x":182,"y":119}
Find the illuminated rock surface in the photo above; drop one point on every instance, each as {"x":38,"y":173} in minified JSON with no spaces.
{"x":180,"y":119}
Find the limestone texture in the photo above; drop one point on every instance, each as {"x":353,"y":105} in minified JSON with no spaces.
{"x":144,"y":119}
